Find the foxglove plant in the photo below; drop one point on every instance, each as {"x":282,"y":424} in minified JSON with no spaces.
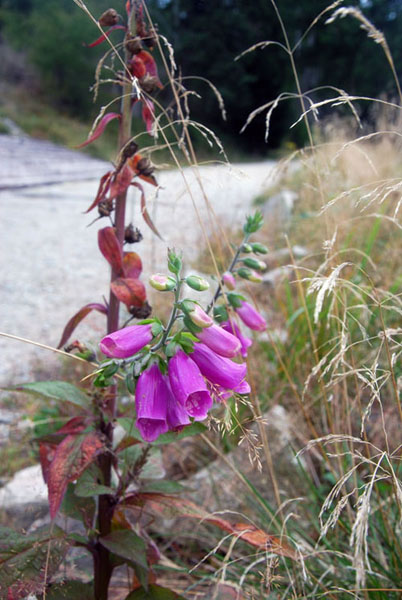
{"x":95,"y":465}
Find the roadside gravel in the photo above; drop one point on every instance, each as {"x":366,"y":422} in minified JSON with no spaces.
{"x":49,"y":260}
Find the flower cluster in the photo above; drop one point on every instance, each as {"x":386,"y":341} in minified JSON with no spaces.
{"x":182,"y":368}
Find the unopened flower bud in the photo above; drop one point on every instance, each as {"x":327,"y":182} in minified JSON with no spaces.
{"x":220,"y":313}
{"x":134,"y":45}
{"x":247,"y":248}
{"x":108,"y":18}
{"x":162,"y":283}
{"x":259,"y":248}
{"x":249,"y":274}
{"x":229,"y":280}
{"x":174,"y":262}
{"x":235,"y":300}
{"x":197,"y":283}
{"x":254,"y":263}
{"x":196,"y":314}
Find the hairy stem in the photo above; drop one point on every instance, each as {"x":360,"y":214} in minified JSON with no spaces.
{"x":102,"y":561}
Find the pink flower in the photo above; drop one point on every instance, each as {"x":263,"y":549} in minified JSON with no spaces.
{"x":245,"y":342}
{"x":126,"y":342}
{"x":251,"y":317}
{"x":199,"y":317}
{"x":217,"y":369}
{"x":220,"y":341}
{"x":151,"y":401}
{"x":188,"y":386}
{"x":177,"y":416}
{"x":229,"y":280}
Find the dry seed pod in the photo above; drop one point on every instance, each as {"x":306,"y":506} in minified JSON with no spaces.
{"x":108,"y":18}
{"x":132,"y":234}
{"x":105,"y":208}
{"x":133,"y":45}
{"x":141,"y":312}
{"x":149,"y":83}
{"x":144,"y":167}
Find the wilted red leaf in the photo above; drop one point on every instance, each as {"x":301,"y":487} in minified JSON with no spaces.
{"x":129,"y":291}
{"x":121,"y":181}
{"x":73,"y":455}
{"x":150,"y":65}
{"x":170,"y":506}
{"x":132,"y":265}
{"x":148,"y":115}
{"x":144,"y":212}
{"x":137,"y":67}
{"x":104,"y":36}
{"x":103,"y":189}
{"x":46,"y":455}
{"x":110,"y":248}
{"x":100,"y":128}
{"x":77,"y":318}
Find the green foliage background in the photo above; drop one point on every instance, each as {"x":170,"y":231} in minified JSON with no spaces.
{"x":207,"y":36}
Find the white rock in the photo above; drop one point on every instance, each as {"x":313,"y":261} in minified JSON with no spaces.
{"x":25,"y":488}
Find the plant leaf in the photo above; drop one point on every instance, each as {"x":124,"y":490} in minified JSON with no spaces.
{"x":132,"y":265}
{"x":100,"y":128}
{"x":87,"y":485}
{"x":155,"y":592}
{"x":72,"y":457}
{"x":148,"y":115}
{"x":144,"y":211}
{"x":121,"y":181}
{"x":110,"y":247}
{"x":128,"y":545}
{"x":23,"y":558}
{"x":171,"y":506}
{"x":70,"y":590}
{"x":129,"y":291}
{"x":104,"y":36}
{"x":55,"y":390}
{"x":103,"y":189}
{"x":77,"y":318}
{"x":80,"y":509}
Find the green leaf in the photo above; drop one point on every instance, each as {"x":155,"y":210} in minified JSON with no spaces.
{"x":70,"y":590}
{"x":81,"y":509}
{"x":88,"y":484}
{"x":127,"y":544}
{"x":162,"y":487}
{"x":155,"y":592}
{"x":23,"y":558}
{"x":55,"y":390}
{"x":175,"y":436}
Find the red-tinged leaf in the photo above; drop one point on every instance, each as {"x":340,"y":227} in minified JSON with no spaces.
{"x":145,"y":213}
{"x":104,"y":36}
{"x":148,"y":115}
{"x":73,"y":455}
{"x":129,"y":291}
{"x":73,"y":426}
{"x":77,"y":318}
{"x":150,"y":65}
{"x":137,"y":67}
{"x":171,"y":506}
{"x":128,"y":545}
{"x":103,"y":189}
{"x":100,"y":128}
{"x":121,"y":181}
{"x":110,"y":247}
{"x":132,"y":265}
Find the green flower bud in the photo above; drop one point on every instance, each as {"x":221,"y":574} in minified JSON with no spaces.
{"x":259,"y":248}
{"x":249,"y":274}
{"x":235,"y":300}
{"x":163,"y":283}
{"x":196,"y":314}
{"x":197,"y":283}
{"x":220,"y":313}
{"x":254,"y":263}
{"x":253,"y":223}
{"x":174,"y":262}
{"x":247,"y":248}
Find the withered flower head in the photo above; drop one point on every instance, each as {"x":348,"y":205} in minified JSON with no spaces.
{"x":133,"y":44}
{"x":149,"y":83}
{"x":132,"y":234}
{"x":108,"y":18}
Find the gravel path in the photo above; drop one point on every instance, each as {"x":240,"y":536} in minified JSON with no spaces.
{"x":49,"y":259}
